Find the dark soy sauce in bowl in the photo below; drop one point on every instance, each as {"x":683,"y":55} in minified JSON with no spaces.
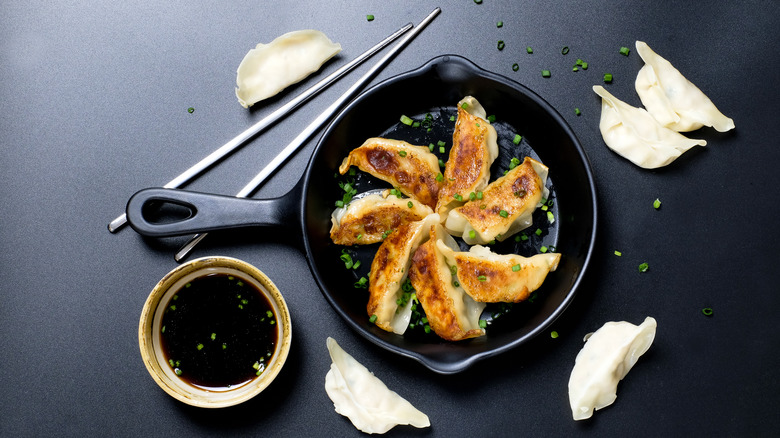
{"x":218,"y":332}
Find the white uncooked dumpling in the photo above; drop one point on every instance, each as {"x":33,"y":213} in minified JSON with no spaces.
{"x":635,"y":135}
{"x":672,"y":99}
{"x":608,"y":355}
{"x":270,"y":68}
{"x":360,"y":396}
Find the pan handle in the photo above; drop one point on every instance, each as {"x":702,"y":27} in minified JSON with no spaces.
{"x":209,"y":212}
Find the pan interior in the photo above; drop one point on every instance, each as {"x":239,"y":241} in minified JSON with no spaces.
{"x":431,"y":94}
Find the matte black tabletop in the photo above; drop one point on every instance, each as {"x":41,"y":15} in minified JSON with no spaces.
{"x":94,"y":100}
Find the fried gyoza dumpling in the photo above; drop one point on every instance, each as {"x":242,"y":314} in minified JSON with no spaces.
{"x":451,"y":313}
{"x":366,"y":219}
{"x":412,"y":169}
{"x":506,"y":207}
{"x":389,"y":270}
{"x":499,"y":278}
{"x":474,"y":148}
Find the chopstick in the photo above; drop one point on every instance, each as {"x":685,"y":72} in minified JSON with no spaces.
{"x":261,"y":125}
{"x":315,"y":125}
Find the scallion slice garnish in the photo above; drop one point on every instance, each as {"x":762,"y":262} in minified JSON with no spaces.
{"x":406,"y":120}
{"x":624,"y":51}
{"x":644,"y":267}
{"x":517,"y":139}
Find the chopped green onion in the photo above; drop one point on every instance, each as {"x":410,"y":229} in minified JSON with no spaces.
{"x":339,"y":203}
{"x":529,"y":49}
{"x":643,"y":267}
{"x":370,"y":17}
{"x":565,"y":50}
{"x":579,"y":62}
{"x":492,"y":118}
{"x":431,"y":146}
{"x":618,"y":253}
{"x":657,"y":203}
{"x":441,"y":149}
{"x":584,"y":66}
{"x":472,"y":234}
{"x":607,"y":77}
{"x":402,"y":153}
{"x":514,"y":162}
{"x":479,"y":195}
{"x":406,"y":120}
{"x":624,"y":51}
{"x":707,"y":311}
{"x":362,"y":283}
{"x":515,"y":67}
{"x":452,"y":118}
{"x":441,"y":143}
{"x":500,"y":44}
{"x":554,"y":334}
{"x":177,"y":371}
{"x":543,"y":249}
{"x":520,"y":193}
{"x":482,"y":323}
{"x":200,"y":346}
{"x":190,"y":110}
{"x":372,"y":319}
{"x":410,"y":204}
{"x":517,"y":139}
{"x":550,"y":217}
{"x":546,"y":73}
{"x":458,"y":197}
{"x":479,"y":2}
{"x":524,"y":237}
{"x":441,"y":162}
{"x":538,"y":232}
{"x":577,"y":111}
{"x":464,"y":105}
{"x":213,"y":336}
{"x":472,"y":196}
{"x":516,"y":267}
{"x":439,"y":177}
{"x":416,"y":124}
{"x":482,"y":278}
{"x":500,"y":24}
{"x":503,"y":213}
{"x":359,"y":236}
{"x":575,"y":68}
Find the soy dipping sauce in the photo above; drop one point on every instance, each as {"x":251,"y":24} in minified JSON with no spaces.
{"x":218,"y":332}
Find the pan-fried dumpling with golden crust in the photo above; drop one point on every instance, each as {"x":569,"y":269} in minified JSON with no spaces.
{"x":390,"y":269}
{"x":499,"y":278}
{"x":672,"y":99}
{"x":635,"y":135}
{"x":367,"y":218}
{"x":474,"y":148}
{"x":506,"y":206}
{"x":451,"y":313}
{"x":412,"y":169}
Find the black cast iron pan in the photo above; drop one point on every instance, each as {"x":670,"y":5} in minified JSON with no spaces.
{"x":435,"y":88}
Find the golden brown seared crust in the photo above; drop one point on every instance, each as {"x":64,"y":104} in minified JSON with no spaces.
{"x":494,"y":281}
{"x":412,"y":169}
{"x":372,"y":223}
{"x":390,"y":259}
{"x":469,"y":159}
{"x":516,"y":192}
{"x":432,"y":293}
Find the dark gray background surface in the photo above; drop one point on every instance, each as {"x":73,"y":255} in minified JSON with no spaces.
{"x":93,"y":107}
